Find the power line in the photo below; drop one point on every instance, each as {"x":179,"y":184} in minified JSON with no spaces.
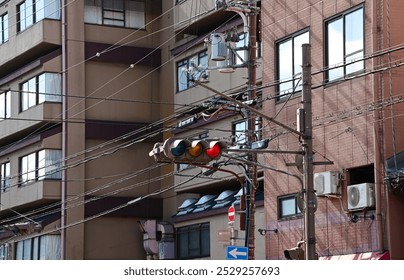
{"x":131,"y":66}
{"x":99,"y":98}
{"x":105,"y":212}
{"x":132,"y":175}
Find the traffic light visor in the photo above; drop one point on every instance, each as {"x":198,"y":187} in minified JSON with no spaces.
{"x":178,"y":148}
{"x":295,"y":253}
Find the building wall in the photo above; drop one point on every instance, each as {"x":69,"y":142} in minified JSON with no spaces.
{"x":194,"y":22}
{"x":130,"y":72}
{"x":340,"y":135}
{"x":219,"y":224}
{"x":115,"y":79}
{"x":392,"y":118}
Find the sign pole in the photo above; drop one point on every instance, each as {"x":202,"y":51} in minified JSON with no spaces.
{"x":231,"y":214}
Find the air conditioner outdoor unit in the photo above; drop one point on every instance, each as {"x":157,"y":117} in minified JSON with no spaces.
{"x":326,"y":183}
{"x":361,"y":196}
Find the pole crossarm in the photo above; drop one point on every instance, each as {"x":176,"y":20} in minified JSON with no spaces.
{"x":255,"y":111}
{"x":264,"y":151}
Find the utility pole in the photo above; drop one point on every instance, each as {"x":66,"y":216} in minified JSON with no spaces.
{"x":252,"y":95}
{"x":310,"y":200}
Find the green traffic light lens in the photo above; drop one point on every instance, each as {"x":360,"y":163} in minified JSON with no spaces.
{"x":179,"y":149}
{"x":214,"y":151}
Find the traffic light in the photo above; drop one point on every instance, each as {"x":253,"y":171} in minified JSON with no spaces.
{"x":295,"y":253}
{"x":189,"y":151}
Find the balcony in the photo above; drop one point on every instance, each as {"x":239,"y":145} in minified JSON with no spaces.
{"x":33,"y":195}
{"x":39,"y":116}
{"x":195,"y":22}
{"x":37,"y":40}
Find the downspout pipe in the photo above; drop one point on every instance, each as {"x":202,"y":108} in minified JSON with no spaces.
{"x":378,"y":140}
{"x":64,"y":133}
{"x":378,"y":169}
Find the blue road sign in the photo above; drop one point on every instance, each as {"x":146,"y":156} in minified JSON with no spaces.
{"x":237,"y":253}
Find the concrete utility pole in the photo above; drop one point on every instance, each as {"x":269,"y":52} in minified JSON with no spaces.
{"x":252,"y":95}
{"x":310,"y":205}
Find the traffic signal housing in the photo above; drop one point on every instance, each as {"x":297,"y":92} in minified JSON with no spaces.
{"x":295,"y":253}
{"x":180,"y":150}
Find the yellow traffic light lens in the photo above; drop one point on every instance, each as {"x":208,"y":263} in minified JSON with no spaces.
{"x":196,"y":150}
{"x":214,"y":151}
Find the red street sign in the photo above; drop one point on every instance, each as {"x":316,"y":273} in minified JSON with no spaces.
{"x":231,"y":213}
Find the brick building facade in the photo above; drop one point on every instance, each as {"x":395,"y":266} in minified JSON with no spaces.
{"x":355,"y":129}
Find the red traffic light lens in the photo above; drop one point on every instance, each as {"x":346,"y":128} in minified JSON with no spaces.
{"x":214,"y":151}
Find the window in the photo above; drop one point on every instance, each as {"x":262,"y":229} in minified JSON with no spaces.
{"x":287,"y":206}
{"x":45,"y":87}
{"x":3,"y":28}
{"x":241,"y":56}
{"x":5,"y":176}
{"x":4,"y":252}
{"x":289,"y":52}
{"x":360,"y":174}
{"x":5,"y":105}
{"x":32,"y":11}
{"x":240,"y":131}
{"x":193,"y":241}
{"x":184,"y":78}
{"x":46,"y":247}
{"x":345,"y":44}
{"x":241,"y":48}
{"x":44,"y":164}
{"x":125,"y":13}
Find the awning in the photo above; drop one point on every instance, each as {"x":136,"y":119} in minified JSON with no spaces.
{"x":360,"y":256}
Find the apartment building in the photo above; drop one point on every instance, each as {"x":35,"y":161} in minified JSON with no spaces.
{"x":356,"y":90}
{"x":88,"y":87}
{"x":82,"y":83}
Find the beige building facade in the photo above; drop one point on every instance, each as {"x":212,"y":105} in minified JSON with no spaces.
{"x":204,"y":197}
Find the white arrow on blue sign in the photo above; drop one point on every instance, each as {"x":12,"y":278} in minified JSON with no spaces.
{"x":237,"y":253}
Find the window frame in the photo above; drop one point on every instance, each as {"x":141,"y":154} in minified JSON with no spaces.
{"x":4,"y":28}
{"x":235,"y":131}
{"x":37,"y":248}
{"x":345,"y":63}
{"x":5,"y":178}
{"x":108,"y":16}
{"x":191,"y":233}
{"x":240,"y":135}
{"x":34,"y":91}
{"x":294,"y":79}
{"x":241,"y":49}
{"x":186,"y":63}
{"x":5,"y":105}
{"x":39,"y":10}
{"x":296,"y":213}
{"x":5,"y":251}
{"x":41,"y":169}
